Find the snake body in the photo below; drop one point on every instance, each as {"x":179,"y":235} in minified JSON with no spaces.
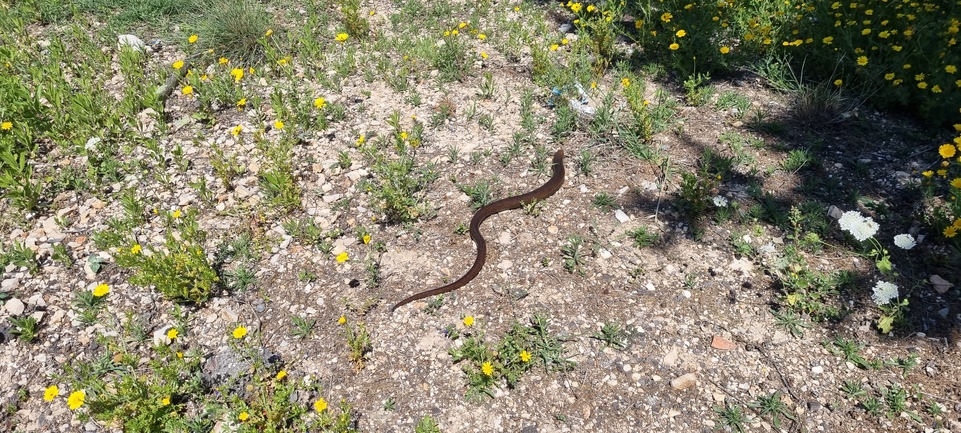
{"x":514,"y":202}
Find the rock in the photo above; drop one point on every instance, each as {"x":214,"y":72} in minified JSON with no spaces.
{"x":9,"y":284}
{"x":817,"y":369}
{"x":37,"y":301}
{"x":160,"y":337}
{"x":684,"y":382}
{"x":722,"y":343}
{"x":940,"y":284}
{"x":671,"y":358}
{"x":14,"y":307}
{"x":835,"y":213}
{"x":504,"y":238}
{"x":743,"y":266}
{"x":131,"y":41}
{"x":621,"y":216}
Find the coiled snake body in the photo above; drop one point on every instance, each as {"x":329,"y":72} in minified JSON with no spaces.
{"x":546,"y":190}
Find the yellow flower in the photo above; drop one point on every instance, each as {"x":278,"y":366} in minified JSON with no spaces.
{"x":342,"y":257}
{"x":936,"y":89}
{"x":172,"y":333}
{"x":461,"y":25}
{"x":896,"y":48}
{"x":483,"y":55}
{"x":593,"y":84}
{"x":250,"y":70}
{"x":681,"y":33}
{"x":554,"y":47}
{"x":76,"y":399}
{"x":320,"y":103}
{"x":342,"y":320}
{"x":242,"y":102}
{"x":576,"y":7}
{"x":863,"y":60}
{"x":177,"y":213}
{"x":269,"y":32}
{"x":950,"y":231}
{"x":51,"y":393}
{"x":240,"y":332}
{"x":192,"y":39}
{"x":237,"y":130}
{"x":135,"y":249}
{"x":280,"y":375}
{"x":279,"y":124}
{"x":725,"y":50}
{"x":956,"y":182}
{"x":360,"y":140}
{"x":638,"y":24}
{"x":957,"y":126}
{"x":666,"y":17}
{"x":403,"y":135}
{"x":101,"y":290}
{"x":469,"y":321}
{"x":906,"y":66}
{"x":946,"y":150}
{"x":165,"y":401}
{"x":889,"y":76}
{"x":6,"y":126}
{"x":866,"y":32}
{"x":525,"y":357}
{"x":674,"y":46}
{"x":838,"y":82}
{"x":927,"y":173}
{"x":482,"y":36}
{"x":625,"y":82}
{"x":243,"y":416}
{"x":591,"y":8}
{"x":942,"y":172}
{"x":320,"y":405}
{"x":187,"y":90}
{"x":341,"y":37}
{"x":178,"y":64}
{"x":366,"y":239}
{"x":564,"y":41}
{"x":487,"y":368}
{"x":237,"y":73}
{"x":223,"y":61}
{"x":454,"y":32}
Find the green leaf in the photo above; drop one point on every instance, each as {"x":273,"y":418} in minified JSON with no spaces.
{"x":884,"y":265}
{"x":886,"y":323}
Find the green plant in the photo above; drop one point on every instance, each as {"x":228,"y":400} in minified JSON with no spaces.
{"x":354,"y":22}
{"x":61,"y":255}
{"x":487,"y":87}
{"x":179,"y":269}
{"x":604,"y":201}
{"x":872,"y":406}
{"x":89,"y":303}
{"x":853,"y":389}
{"x":731,"y":416}
{"x":481,"y":193}
{"x":389,"y":404}
{"x":774,"y":406}
{"x":796,"y":160}
{"x":20,"y":255}
{"x":25,"y":328}
{"x":789,"y":322}
{"x":905,"y":364}
{"x":642,"y":238}
{"x":358,"y":343}
{"x":236,"y":30}
{"x":849,"y":349}
{"x":732,"y":99}
{"x":398,"y":187}
{"x":613,"y":335}
{"x":303,"y":328}
{"x":571,"y":253}
{"x":280,"y":188}
{"x":697,"y":93}
{"x":17,"y":181}
{"x":240,"y":279}
{"x":426,"y":425}
{"x":585,"y":162}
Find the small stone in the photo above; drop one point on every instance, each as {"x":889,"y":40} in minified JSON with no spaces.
{"x":621,"y":216}
{"x":684,"y":382}
{"x":686,"y":293}
{"x":131,"y":41}
{"x":504,"y":238}
{"x":835,"y":213}
{"x":817,"y":369}
{"x":9,"y":284}
{"x":14,"y":307}
{"x":160,"y":337}
{"x":722,"y":343}
{"x":505,"y":265}
{"x":671,"y":358}
{"x":940,"y":284}
{"x":649,"y":287}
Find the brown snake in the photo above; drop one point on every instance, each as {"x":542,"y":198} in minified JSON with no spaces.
{"x":545,"y":191}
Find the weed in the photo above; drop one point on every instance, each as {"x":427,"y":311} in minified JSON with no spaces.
{"x":697,"y":93}
{"x":774,"y":406}
{"x":613,"y":335}
{"x":389,"y":404}
{"x":486,"y":90}
{"x":604,"y":201}
{"x":303,"y":328}
{"x":731,"y":416}
{"x":642,"y":237}
{"x":240,"y":279}
{"x":732,"y":99}
{"x":796,"y":160}
{"x":235,"y":29}
{"x":481,"y":193}
{"x":25,"y":328}
{"x":790,"y":323}
{"x":849,"y":349}
{"x":571,"y":253}
{"x":896,"y":398}
{"x":426,"y":425}
{"x":585,"y":162}
{"x":358,"y":343}
{"x":905,"y":364}
{"x":872,"y":406}
{"x":20,"y":255}
{"x":853,"y":389}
